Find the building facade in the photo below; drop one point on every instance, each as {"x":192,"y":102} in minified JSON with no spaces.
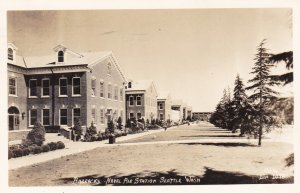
{"x":164,"y":103}
{"x":141,"y":100}
{"x":57,"y":89}
{"x":202,"y":116}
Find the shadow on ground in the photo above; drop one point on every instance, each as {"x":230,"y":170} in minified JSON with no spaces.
{"x":172,"y":177}
{"x":228,"y":144}
{"x":210,"y":136}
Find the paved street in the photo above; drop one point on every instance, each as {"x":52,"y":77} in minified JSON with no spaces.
{"x":213,"y":155}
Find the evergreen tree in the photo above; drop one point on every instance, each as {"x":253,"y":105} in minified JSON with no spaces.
{"x":263,"y":118}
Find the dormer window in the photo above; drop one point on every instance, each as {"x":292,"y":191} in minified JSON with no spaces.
{"x":10,"y":53}
{"x":129,"y":84}
{"x":60,"y":56}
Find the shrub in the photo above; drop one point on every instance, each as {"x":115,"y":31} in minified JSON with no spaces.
{"x":18,"y":152}
{"x":37,"y":134}
{"x":37,"y":150}
{"x":94,"y":138}
{"x":60,"y":145}
{"x":99,"y":137}
{"x":45,"y":148}
{"x":119,"y":123}
{"x":10,"y":154}
{"x":53,"y":146}
{"x":77,"y":127}
{"x":26,"y":143}
{"x":31,"y":148}
{"x":91,"y":133}
{"x":26,"y":151}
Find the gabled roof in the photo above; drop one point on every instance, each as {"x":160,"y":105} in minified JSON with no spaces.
{"x":163,"y":95}
{"x":142,"y":85}
{"x":88,"y":59}
{"x":177,"y":102}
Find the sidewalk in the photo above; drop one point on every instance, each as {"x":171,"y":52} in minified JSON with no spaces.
{"x":71,"y":148}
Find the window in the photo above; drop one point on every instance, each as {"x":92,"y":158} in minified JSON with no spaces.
{"x":63,"y":87}
{"x":102,"y":116}
{"x":109,"y":68}
{"x":131,"y":115}
{"x":139,"y":115}
{"x":46,"y":117}
{"x":161,"y":116}
{"x":76,"y":86}
{"x":63,"y":116}
{"x":129,"y":84}
{"x":10,"y":53}
{"x":76,"y":114}
{"x":93,"y":86}
{"x":32,"y":117}
{"x":60,"y":56}
{"x":121,"y":94}
{"x":161,"y":106}
{"x":116,"y":93}
{"x":131,"y":101}
{"x":12,"y":86}
{"x":32,"y":88}
{"x":94,"y":115}
{"x":45,"y":87}
{"x":138,"y":101}
{"x":102,"y":89}
{"x":109,"y":91}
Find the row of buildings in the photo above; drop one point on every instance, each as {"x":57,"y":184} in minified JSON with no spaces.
{"x":65,"y":85}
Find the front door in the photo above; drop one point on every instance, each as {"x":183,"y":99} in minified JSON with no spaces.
{"x":11,"y":122}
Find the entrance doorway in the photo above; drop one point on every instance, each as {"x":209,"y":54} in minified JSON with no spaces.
{"x":13,"y":118}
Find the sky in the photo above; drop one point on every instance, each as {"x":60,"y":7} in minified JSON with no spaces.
{"x":192,"y":53}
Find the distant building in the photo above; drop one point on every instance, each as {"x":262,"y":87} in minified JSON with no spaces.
{"x":189,"y":111}
{"x":62,"y":86}
{"x":141,"y":100}
{"x":202,"y":116}
{"x":177,"y":105}
{"x":164,"y":111}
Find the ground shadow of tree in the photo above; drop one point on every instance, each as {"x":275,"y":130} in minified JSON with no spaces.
{"x":224,"y":144}
{"x":172,"y":177}
{"x":212,"y":136}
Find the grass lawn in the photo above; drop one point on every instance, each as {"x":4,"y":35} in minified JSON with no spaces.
{"x":211,"y":163}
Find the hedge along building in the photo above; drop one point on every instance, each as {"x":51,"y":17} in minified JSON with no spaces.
{"x":141,"y":100}
{"x":58,"y":88}
{"x":164,"y":102}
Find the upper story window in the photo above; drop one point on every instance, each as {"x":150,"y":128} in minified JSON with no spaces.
{"x":116,"y":93}
{"x":109,"y":68}
{"x":33,"y":88}
{"x":131,"y":101}
{"x":138,"y":101}
{"x":102,"y":89}
{"x":161,"y":106}
{"x":109,"y":91}
{"x":60,"y":56}
{"x":129,"y":84}
{"x":76,"y":86}
{"x":12,"y":86}
{"x":45,"y":87}
{"x":63,"y":87}
{"x":10,"y":54}
{"x":93,"y":85}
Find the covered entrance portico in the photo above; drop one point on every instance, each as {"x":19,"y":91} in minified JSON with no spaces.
{"x":13,"y":118}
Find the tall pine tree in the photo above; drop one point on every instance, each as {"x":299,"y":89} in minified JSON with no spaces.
{"x":263,"y":118}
